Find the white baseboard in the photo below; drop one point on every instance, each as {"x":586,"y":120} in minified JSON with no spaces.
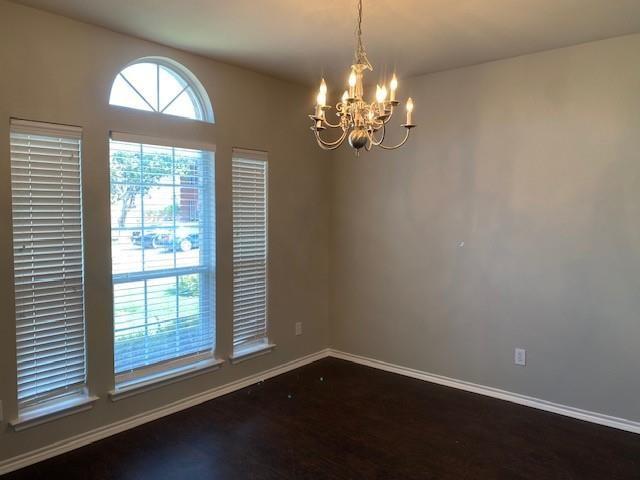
{"x":83,"y":439}
{"x":86,"y":438}
{"x":593,"y":417}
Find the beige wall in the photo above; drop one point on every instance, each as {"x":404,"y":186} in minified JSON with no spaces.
{"x":56,"y":70}
{"x":533,"y":163}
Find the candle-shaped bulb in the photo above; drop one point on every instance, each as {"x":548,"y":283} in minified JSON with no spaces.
{"x":352,"y":79}
{"x":409,"y":110}
{"x":394,"y":83}
{"x":379,"y":95}
{"x":383,"y":93}
{"x":393,"y":86}
{"x":321,"y":99}
{"x":323,"y":87}
{"x":345,"y":97}
{"x":352,"y":84}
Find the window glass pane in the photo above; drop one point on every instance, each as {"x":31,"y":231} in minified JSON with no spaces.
{"x":128,"y":239}
{"x":187,"y":248}
{"x":189,"y":297}
{"x":126,"y":164}
{"x":190,"y":195}
{"x":160,"y":227}
{"x":162,"y":304}
{"x":123,"y":95}
{"x":129,"y":320}
{"x":143,"y":77}
{"x":170,"y":226}
{"x":171,"y":85}
{"x":183,"y":106}
{"x":157,"y":165}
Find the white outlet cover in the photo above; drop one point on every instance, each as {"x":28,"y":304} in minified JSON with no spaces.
{"x":520,"y":356}
{"x":298,"y":328}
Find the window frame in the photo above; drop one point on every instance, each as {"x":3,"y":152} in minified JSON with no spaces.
{"x":204,"y":106}
{"x":160,"y":373}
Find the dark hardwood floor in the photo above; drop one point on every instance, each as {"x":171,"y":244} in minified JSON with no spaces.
{"x":338,"y":420}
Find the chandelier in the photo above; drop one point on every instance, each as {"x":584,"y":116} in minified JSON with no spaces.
{"x":363,"y":123}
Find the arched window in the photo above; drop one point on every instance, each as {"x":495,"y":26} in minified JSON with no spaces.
{"x":163,"y":86}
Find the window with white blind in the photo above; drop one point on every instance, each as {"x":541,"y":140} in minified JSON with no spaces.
{"x":46,"y":199}
{"x":163,"y":256}
{"x":249,"y":178}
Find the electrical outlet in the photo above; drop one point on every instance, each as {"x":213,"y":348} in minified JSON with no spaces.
{"x":520,"y":356}
{"x":298,"y":328}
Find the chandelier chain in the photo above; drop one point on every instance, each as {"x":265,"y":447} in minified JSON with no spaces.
{"x":359,"y":28}
{"x":361,"y":54}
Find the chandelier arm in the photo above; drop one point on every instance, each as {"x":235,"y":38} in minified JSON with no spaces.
{"x":369,"y":143}
{"x":331,"y":124}
{"x":406,"y":136}
{"x":378,"y":142}
{"x":336,"y":142}
{"x":324,"y":147}
{"x":330,"y":145}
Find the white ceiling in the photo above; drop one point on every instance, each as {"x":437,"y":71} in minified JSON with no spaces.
{"x":301,"y":40}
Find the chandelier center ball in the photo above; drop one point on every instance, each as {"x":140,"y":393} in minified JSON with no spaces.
{"x":358,"y":138}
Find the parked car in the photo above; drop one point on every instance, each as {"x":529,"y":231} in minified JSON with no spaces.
{"x":149,"y":240}
{"x":184,"y":240}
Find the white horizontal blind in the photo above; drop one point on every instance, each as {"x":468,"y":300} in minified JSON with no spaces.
{"x":249,"y":176}
{"x":163,"y":256}
{"x":48,"y":265}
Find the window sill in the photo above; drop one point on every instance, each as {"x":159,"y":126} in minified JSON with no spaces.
{"x":250,"y":353}
{"x":53,"y":410}
{"x":151,"y":382}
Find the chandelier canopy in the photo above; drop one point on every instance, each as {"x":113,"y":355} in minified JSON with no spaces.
{"x":364,"y":124}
